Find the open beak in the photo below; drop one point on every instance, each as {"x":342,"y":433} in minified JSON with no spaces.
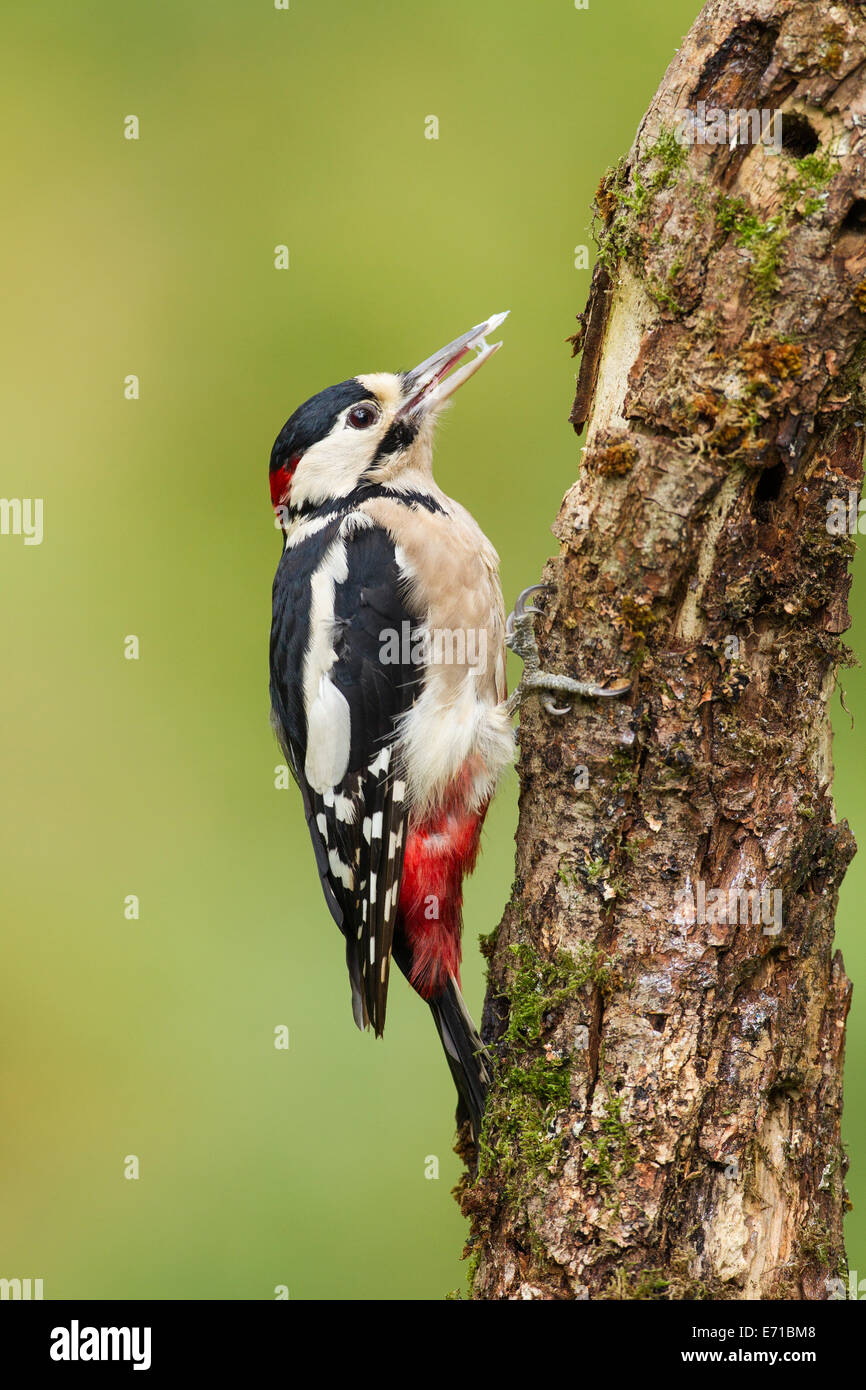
{"x":428,"y":385}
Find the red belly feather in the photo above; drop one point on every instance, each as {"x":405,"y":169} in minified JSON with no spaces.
{"x":439,"y":852}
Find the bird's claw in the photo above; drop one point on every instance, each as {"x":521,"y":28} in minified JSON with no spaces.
{"x":520,"y":637}
{"x":555,"y":709}
{"x":520,"y":609}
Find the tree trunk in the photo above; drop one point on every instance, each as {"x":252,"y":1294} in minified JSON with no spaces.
{"x":664,"y":1005}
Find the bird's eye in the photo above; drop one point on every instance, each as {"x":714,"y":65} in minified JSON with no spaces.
{"x":361,"y":417}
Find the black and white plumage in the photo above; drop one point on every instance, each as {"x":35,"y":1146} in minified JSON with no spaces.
{"x":337,"y":709}
{"x":396,"y":757}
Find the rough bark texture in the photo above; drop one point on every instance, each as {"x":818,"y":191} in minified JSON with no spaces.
{"x":665,"y":1121}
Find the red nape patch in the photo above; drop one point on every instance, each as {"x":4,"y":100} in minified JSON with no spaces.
{"x":439,"y":853}
{"x":281,"y":482}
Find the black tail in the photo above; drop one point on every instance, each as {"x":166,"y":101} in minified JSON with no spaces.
{"x":465,"y":1052}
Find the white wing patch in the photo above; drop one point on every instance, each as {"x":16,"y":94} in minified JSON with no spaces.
{"x":327,"y":710}
{"x":328,"y":737}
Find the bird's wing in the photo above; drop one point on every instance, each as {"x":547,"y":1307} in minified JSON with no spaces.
{"x":341,"y":678}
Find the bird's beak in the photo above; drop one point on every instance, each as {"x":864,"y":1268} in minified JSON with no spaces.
{"x":428,"y":384}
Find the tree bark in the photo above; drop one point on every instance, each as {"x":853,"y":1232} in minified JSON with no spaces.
{"x":665,"y":1119}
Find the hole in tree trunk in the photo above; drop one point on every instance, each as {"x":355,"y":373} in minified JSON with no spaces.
{"x":799,"y":136}
{"x":767,"y":488}
{"x":855,"y":218}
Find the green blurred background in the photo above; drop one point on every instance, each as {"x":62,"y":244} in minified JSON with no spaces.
{"x":154,"y":1037}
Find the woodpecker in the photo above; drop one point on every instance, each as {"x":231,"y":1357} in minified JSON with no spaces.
{"x":387,"y":681}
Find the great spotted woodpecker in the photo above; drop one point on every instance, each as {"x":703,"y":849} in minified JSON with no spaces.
{"x":388,"y":681}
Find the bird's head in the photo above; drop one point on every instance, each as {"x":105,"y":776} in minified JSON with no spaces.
{"x":371,"y":429}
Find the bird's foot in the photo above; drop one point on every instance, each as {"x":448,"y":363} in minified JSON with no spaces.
{"x":520,"y":637}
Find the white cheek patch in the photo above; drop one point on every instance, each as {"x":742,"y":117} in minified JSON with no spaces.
{"x":333,"y":466}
